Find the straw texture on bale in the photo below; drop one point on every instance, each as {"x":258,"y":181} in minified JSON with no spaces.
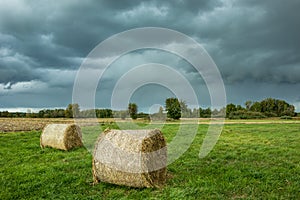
{"x":136,"y":158}
{"x":61,"y":136}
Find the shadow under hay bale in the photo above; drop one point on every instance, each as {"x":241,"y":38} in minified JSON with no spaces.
{"x":61,"y":136}
{"x":136,"y":158}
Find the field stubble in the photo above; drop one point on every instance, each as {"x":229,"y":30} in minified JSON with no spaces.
{"x":31,"y":124}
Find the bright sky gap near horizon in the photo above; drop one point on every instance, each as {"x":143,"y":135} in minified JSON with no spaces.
{"x":255,"y":44}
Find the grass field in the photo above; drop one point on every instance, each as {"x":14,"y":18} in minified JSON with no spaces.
{"x":250,"y":161}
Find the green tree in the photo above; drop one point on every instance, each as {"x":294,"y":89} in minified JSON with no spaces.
{"x":160,"y":114}
{"x":255,"y":107}
{"x":132,"y":109}
{"x":61,"y":113}
{"x":273,"y":107}
{"x":173,"y":108}
{"x":123,"y":114}
{"x":230,"y":108}
{"x":205,"y":113}
{"x":104,"y":113}
{"x":239,"y":107}
{"x":185,"y":111}
{"x":161,"y":110}
{"x":268,"y":106}
{"x":69,"y":111}
{"x":5,"y":114}
{"x":290,"y":111}
{"x":195,"y":113}
{"x":72,"y":110}
{"x":248,"y":104}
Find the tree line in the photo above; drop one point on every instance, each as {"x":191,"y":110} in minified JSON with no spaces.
{"x":261,"y":109}
{"x":253,"y":110}
{"x":174,"y":109}
{"x":71,"y":111}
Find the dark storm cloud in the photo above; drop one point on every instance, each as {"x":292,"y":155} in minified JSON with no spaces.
{"x":15,"y":67}
{"x":258,"y":41}
{"x":251,"y":41}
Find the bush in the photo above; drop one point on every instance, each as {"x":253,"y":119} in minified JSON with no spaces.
{"x":172,"y":120}
{"x":242,"y":114}
{"x":144,"y":116}
{"x":286,"y":117}
{"x":270,"y":114}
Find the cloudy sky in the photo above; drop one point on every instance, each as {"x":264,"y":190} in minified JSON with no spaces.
{"x":255,"y":45}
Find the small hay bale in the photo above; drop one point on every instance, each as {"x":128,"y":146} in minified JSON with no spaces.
{"x":136,"y":158}
{"x":61,"y":136}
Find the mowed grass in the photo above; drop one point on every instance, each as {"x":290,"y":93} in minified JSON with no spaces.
{"x":250,"y":161}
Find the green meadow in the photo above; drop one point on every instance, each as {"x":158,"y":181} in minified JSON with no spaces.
{"x":249,"y":161}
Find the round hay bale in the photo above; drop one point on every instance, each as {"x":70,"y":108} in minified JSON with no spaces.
{"x":61,"y":136}
{"x":136,"y":158}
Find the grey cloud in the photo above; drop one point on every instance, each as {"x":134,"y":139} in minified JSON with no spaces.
{"x":261,"y":37}
{"x":251,"y":41}
{"x":8,"y":86}
{"x":16,"y":68}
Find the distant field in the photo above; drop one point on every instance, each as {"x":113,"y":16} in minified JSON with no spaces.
{"x":250,"y":161}
{"x":29,"y":124}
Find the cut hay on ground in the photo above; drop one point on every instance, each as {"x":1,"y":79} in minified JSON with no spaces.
{"x":136,"y":158}
{"x":61,"y":136}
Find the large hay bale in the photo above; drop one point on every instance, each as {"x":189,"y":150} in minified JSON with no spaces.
{"x":61,"y":136}
{"x":136,"y":158}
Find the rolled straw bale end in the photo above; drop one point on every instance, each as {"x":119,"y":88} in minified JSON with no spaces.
{"x":136,"y":158}
{"x":61,"y":136}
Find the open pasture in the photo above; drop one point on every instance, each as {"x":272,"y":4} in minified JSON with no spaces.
{"x":250,"y":161}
